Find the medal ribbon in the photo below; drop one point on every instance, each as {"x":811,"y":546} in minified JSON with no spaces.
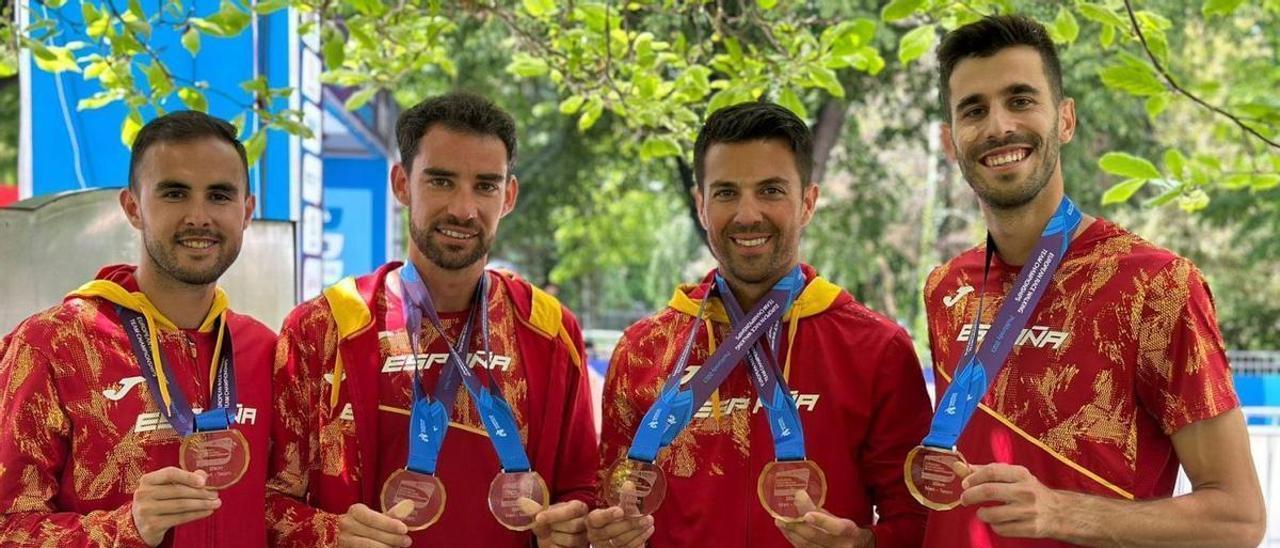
{"x":674,"y":407}
{"x":173,"y":403}
{"x":978,"y":367}
{"x":495,"y":413}
{"x":766,"y":376}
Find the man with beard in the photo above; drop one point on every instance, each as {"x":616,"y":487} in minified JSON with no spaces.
{"x":139,"y":407}
{"x":856,"y":387}
{"x":349,"y":361}
{"x":1111,"y":377}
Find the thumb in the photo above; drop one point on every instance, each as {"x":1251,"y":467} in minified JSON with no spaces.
{"x":529,"y":506}
{"x":804,"y":503}
{"x":401,"y":510}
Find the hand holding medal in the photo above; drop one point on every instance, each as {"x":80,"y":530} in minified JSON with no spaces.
{"x":931,"y":470}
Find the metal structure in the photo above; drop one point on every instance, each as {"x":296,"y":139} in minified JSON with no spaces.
{"x":50,"y":245}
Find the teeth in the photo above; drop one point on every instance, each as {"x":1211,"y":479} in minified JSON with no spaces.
{"x":752,"y":242}
{"x":197,"y":244}
{"x":1006,"y":158}
{"x":455,"y":234}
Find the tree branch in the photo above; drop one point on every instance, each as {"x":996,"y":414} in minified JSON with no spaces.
{"x":1133,"y":19}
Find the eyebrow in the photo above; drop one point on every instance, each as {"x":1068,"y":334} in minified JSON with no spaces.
{"x":1019,"y":88}
{"x":167,"y":185}
{"x":767,"y":180}
{"x":442,"y":172}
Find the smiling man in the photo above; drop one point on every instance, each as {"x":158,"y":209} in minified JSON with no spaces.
{"x":482,"y":355}
{"x":842,"y":382}
{"x":1095,"y":354}
{"x":139,"y":407}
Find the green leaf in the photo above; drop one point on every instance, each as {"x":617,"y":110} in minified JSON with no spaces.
{"x":527,"y":66}
{"x":1132,"y":80}
{"x":360,"y":98}
{"x":899,"y":9}
{"x":193,"y":99}
{"x":1265,"y":181}
{"x":228,"y":22}
{"x":1220,"y":7}
{"x":767,"y":4}
{"x":1158,"y":44}
{"x":238,"y":122}
{"x":660,"y":146}
{"x":8,"y":66}
{"x":1193,"y":201}
{"x":1156,"y":105}
{"x":1064,"y":29}
{"x":334,"y":48}
{"x":55,"y":59}
{"x":1121,"y":192}
{"x":54,"y":4}
{"x":916,"y":43}
{"x":97,"y":100}
{"x":867,"y":60}
{"x":572,"y":104}
{"x":129,"y":127}
{"x":1174,"y":162}
{"x":1128,"y":165}
{"x":792,"y":102}
{"x":96,"y":22}
{"x":590,"y":115}
{"x":1164,"y":198}
{"x":721,"y":99}
{"x":825,"y":78}
{"x":255,"y":146}
{"x":1102,"y":15}
{"x":191,"y":41}
{"x":267,"y":7}
{"x":158,"y":79}
{"x":1107,"y":36}
{"x":539,"y":8}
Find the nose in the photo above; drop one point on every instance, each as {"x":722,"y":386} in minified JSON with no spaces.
{"x":748,"y":212}
{"x":197,"y":215}
{"x":1000,"y":123}
{"x":463,"y":205}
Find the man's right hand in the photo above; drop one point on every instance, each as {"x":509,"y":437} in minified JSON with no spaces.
{"x":169,"y":497}
{"x":363,"y":527}
{"x":609,"y":528}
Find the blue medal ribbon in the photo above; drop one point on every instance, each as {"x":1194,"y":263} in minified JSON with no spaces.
{"x":675,"y":406}
{"x":978,"y":367}
{"x":429,"y":418}
{"x":766,"y":376}
{"x":179,"y":413}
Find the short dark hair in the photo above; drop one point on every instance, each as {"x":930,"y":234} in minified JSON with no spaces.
{"x":986,"y":37}
{"x":754,"y":121}
{"x":183,"y":126}
{"x":459,"y":111}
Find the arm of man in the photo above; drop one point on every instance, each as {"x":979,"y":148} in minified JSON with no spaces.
{"x":34,"y":447}
{"x":295,"y":441}
{"x":1225,"y":507}
{"x":1184,"y":382}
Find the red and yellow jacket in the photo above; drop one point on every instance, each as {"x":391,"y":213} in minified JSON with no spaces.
{"x":862,"y":402}
{"x":83,"y":427}
{"x":342,"y":423}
